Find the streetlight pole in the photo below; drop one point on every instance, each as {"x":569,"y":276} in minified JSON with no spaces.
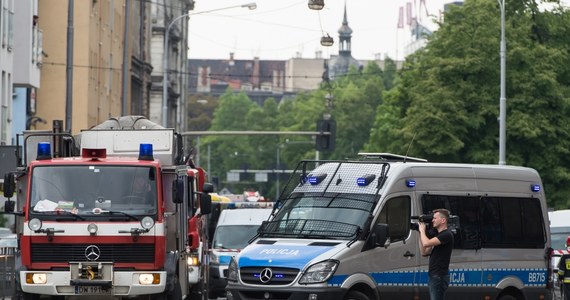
{"x":251,"y":6}
{"x":502,"y":99}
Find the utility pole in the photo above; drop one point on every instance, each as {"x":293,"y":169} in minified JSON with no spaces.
{"x":69,"y":68}
{"x":503,"y":97}
{"x":126,"y":60}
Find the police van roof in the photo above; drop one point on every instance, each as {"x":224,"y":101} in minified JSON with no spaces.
{"x":389,"y":157}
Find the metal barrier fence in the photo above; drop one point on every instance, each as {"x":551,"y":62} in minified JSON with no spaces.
{"x":7,"y":272}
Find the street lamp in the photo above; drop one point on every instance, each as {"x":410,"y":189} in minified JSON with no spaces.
{"x":327,"y":41}
{"x":502,"y":99}
{"x":250,"y":6}
{"x":316,"y":4}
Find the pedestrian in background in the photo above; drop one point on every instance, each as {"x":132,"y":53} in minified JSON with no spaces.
{"x":564,"y":273}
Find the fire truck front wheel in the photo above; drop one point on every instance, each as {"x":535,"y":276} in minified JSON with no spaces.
{"x":27,"y":296}
{"x":174,"y":294}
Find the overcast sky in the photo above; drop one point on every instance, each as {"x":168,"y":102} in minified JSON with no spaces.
{"x":280,"y":29}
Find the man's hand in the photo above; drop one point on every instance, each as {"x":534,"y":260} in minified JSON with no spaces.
{"x":422,"y":227}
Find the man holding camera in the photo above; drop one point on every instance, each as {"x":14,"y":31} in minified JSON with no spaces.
{"x":439,"y":250}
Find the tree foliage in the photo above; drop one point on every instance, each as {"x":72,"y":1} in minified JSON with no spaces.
{"x":442,"y":105}
{"x":447,"y":99}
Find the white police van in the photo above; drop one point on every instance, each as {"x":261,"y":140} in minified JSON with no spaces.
{"x":342,"y":230}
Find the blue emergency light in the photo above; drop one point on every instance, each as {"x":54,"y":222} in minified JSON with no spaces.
{"x":316,"y":179}
{"x":410,"y":183}
{"x":145,"y":152}
{"x":44,"y":151}
{"x":535,"y":187}
{"x":365,"y":180}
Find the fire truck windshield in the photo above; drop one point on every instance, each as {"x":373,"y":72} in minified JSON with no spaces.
{"x":93,"y":190}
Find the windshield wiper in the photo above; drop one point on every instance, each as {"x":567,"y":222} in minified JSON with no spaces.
{"x":68,"y":213}
{"x":111,"y":212}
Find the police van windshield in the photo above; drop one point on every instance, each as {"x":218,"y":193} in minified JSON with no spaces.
{"x":327,"y":216}
{"x":93,"y":191}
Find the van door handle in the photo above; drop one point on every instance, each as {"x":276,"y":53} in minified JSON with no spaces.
{"x":409,"y":254}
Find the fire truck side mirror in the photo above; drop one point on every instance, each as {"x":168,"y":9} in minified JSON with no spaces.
{"x":208,"y":188}
{"x":205,"y":204}
{"x":9,"y":185}
{"x":178,"y":190}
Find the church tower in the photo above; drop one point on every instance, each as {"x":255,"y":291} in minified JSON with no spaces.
{"x":341,"y":63}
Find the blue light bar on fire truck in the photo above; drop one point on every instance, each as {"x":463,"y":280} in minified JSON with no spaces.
{"x":44,"y":151}
{"x":145,"y":152}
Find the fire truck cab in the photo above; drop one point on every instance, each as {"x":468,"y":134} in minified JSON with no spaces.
{"x":123,"y":217}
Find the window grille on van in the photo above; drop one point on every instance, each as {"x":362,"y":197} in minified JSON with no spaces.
{"x":337,"y":175}
{"x":305,"y":228}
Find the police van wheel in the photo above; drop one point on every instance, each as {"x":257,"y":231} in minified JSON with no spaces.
{"x":355,"y":295}
{"x":508,"y":297}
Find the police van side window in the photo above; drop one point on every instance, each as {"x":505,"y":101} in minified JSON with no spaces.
{"x":465,"y":220}
{"x":396,"y":213}
{"x":512,"y":223}
{"x":491,"y":222}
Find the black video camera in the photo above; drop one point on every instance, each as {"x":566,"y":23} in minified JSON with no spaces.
{"x":422,"y":219}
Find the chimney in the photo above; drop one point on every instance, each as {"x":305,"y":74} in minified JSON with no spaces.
{"x":255,"y":75}
{"x":231,"y":62}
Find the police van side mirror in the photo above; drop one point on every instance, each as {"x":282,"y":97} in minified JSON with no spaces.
{"x":380,"y":235}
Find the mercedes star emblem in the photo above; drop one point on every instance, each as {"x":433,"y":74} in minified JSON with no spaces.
{"x":265,"y":275}
{"x":92,"y":252}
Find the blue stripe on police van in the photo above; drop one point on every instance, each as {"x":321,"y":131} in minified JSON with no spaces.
{"x":286,"y":256}
{"x":530,"y":277}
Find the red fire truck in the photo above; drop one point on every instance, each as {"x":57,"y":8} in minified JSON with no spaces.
{"x":124,"y":216}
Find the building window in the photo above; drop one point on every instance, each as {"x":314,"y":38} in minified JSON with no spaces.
{"x":10,"y":30}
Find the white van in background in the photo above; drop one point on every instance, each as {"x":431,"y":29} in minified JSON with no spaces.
{"x":559,"y":228}
{"x":234,"y":229}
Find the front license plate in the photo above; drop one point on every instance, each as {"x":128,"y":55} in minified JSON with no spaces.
{"x":91,"y":290}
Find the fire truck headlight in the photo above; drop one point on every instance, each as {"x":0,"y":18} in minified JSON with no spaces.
{"x":149,"y":278}
{"x":92,"y":228}
{"x":193,"y":261}
{"x":35,"y":224}
{"x":147,"y":222}
{"x":233,"y":270}
{"x":36,"y":278}
{"x":319,"y":272}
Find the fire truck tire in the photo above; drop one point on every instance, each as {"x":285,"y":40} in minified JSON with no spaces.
{"x":176,"y":293}
{"x":26,"y":296}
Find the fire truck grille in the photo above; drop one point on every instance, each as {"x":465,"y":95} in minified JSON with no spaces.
{"x":278,"y":276}
{"x":117,"y":253}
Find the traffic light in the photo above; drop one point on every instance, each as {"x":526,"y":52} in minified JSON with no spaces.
{"x":326,"y":142}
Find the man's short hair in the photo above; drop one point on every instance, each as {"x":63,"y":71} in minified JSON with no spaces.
{"x":443,"y":212}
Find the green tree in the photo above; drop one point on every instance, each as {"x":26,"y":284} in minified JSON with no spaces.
{"x":447,"y":98}
{"x":229,"y":152}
